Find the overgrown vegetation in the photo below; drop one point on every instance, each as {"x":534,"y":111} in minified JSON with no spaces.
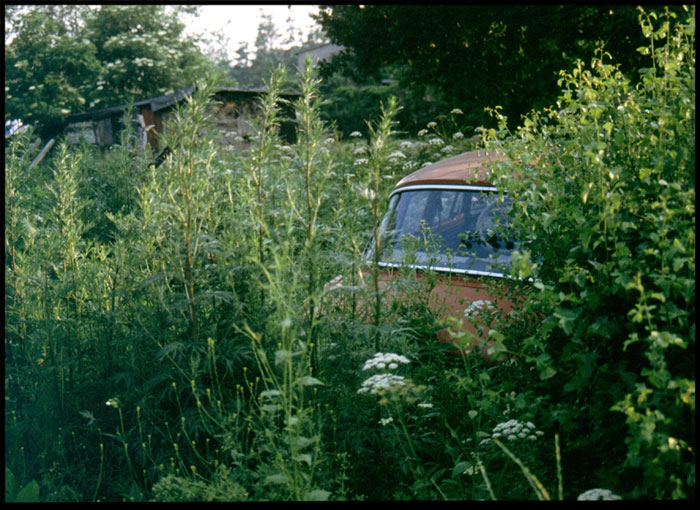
{"x":170,"y":335}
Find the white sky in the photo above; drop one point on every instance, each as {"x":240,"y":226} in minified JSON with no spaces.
{"x":240,"y":22}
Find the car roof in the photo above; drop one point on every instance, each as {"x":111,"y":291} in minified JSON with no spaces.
{"x":466,"y":168}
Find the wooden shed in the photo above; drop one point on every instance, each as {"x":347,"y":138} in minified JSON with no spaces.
{"x":231,"y":109}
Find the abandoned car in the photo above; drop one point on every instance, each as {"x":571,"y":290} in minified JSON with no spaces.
{"x":447,"y":218}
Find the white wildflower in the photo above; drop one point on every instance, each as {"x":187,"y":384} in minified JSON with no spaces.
{"x":598,"y":495}
{"x":432,"y":125}
{"x":384,"y":359}
{"x":355,"y":133}
{"x":422,"y":132}
{"x":476,"y":307}
{"x":382,"y":383}
{"x":426,"y":405}
{"x":436,"y":141}
{"x":386,"y":421}
{"x":406,"y":144}
{"x":458,"y":135}
{"x":113,"y":402}
{"x":513,"y":429}
{"x":397,"y":155}
{"x":359,"y":150}
{"x":361,"y":161}
{"x":456,"y":111}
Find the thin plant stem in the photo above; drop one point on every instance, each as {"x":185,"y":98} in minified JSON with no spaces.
{"x":480,"y":465}
{"x":539,"y":489}
{"x":560,"y":480}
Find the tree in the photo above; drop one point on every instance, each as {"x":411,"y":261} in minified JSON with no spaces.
{"x":143,"y":51}
{"x":470,"y":56}
{"x":65,"y":59}
{"x":49,"y":69}
{"x":252,"y":73}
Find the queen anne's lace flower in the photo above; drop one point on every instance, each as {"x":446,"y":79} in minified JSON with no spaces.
{"x":382,"y":383}
{"x":473,"y":309}
{"x":397,"y":155}
{"x":381,"y":360}
{"x":512,"y":430}
{"x":598,"y":495}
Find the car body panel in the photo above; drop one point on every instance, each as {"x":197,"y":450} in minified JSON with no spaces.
{"x":466,"y":168}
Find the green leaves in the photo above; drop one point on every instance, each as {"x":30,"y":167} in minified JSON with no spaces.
{"x":59,"y":53}
{"x":610,"y":211}
{"x":16,"y":494}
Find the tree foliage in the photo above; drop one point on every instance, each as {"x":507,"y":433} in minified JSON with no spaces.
{"x":50,"y":70}
{"x":67,"y":59}
{"x":271,"y":51}
{"x":604,"y":193}
{"x":473,"y":56}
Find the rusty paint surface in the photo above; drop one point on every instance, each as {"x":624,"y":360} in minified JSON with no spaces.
{"x":466,"y":168}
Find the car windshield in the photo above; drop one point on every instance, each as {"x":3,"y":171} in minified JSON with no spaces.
{"x":458,"y":229}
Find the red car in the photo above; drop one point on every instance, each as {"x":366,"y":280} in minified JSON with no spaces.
{"x":445,"y":218}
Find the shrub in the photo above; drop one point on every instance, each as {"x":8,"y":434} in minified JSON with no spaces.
{"x":604,"y":188}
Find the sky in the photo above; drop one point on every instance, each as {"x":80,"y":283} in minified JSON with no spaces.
{"x":240,"y":21}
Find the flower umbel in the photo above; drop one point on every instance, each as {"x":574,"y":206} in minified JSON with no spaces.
{"x":512,"y":430}
{"x":476,"y":306}
{"x":598,"y":495}
{"x":384,"y":360}
{"x":382,"y":383}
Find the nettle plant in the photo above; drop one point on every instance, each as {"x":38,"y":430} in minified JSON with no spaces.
{"x":603,"y":188}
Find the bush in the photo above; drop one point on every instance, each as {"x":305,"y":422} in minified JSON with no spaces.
{"x":604,"y":188}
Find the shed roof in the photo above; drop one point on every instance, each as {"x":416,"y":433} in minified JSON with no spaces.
{"x":160,"y":102}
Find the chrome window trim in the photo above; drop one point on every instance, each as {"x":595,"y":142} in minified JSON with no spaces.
{"x":453,"y":187}
{"x":440,"y":269}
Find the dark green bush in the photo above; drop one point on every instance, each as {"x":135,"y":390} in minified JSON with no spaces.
{"x":604,"y":191}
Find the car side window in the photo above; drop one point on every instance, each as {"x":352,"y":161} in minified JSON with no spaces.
{"x":449,"y":228}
